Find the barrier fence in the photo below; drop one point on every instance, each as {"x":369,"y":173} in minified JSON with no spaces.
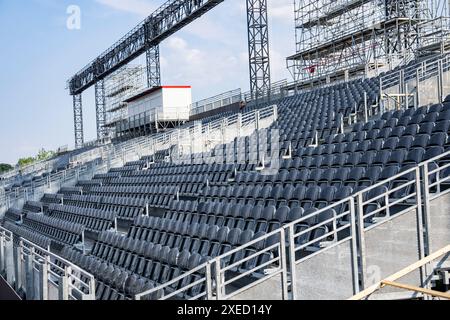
{"x":345,"y":226}
{"x":40,"y":273}
{"x":211,"y":134}
{"x":416,"y":85}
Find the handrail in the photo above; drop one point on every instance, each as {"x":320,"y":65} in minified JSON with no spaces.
{"x":215,"y":102}
{"x":355,"y":199}
{"x":118,"y":154}
{"x":72,"y":282}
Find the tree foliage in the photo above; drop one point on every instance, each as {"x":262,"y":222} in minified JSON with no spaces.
{"x":41,"y":156}
{"x":23,"y":162}
{"x":4,"y":167}
{"x":44,"y":155}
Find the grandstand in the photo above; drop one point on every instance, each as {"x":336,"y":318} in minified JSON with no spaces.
{"x":315,"y":189}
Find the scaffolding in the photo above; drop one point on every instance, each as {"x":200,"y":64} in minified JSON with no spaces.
{"x":344,"y":39}
{"x":123,"y":83}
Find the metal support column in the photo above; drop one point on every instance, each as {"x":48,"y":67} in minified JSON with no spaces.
{"x":153,"y":67}
{"x":258,"y":47}
{"x":78,"y":120}
{"x":100,"y":106}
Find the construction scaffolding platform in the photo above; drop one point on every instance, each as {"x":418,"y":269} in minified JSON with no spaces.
{"x":347,"y":39}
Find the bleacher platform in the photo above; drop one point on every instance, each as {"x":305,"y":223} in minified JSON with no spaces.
{"x":150,"y":224}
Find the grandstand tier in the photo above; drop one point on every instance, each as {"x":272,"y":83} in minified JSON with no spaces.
{"x":337,"y":185}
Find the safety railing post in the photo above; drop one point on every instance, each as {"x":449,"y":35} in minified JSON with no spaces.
{"x":209,"y":287}
{"x":17,"y":265}
{"x":218,"y":280}
{"x":2,"y":253}
{"x":426,"y":206}
{"x":283,"y":265}
{"x":420,"y":226}
{"x":29,"y":275}
{"x":366,"y":116}
{"x":361,"y":238}
{"x":63,"y":288}
{"x":8,"y":258}
{"x":440,"y":82}
{"x":257,"y":119}
{"x":354,"y":246}
{"x":291,"y":262}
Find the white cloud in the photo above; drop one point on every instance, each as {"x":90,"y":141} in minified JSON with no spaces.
{"x":211,"y":53}
{"x":282,"y":12}
{"x":140,"y":7}
{"x":209,"y":69}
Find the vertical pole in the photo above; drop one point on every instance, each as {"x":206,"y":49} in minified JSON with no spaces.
{"x":283,"y":265}
{"x":426,"y":207}
{"x":218,"y":280}
{"x":420,"y":224}
{"x":78,"y":120}
{"x":292,"y":264}
{"x":43,"y":279}
{"x":2,"y":252}
{"x":361,"y":239}
{"x":366,"y":117}
{"x":9,"y":260}
{"x":64,"y":285}
{"x":258,"y":47}
{"x":441,"y":82}
{"x":100,"y":106}
{"x":18,"y":270}
{"x":153,"y":67}
{"x":209,"y":293}
{"x":418,"y":87}
{"x":29,"y":275}
{"x":354,"y":244}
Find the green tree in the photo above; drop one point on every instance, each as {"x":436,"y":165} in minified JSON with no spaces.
{"x":4,"y":167}
{"x":26,"y":161}
{"x":41,"y":156}
{"x":44,"y":155}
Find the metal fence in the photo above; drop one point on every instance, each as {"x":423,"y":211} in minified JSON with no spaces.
{"x":416,"y":85}
{"x":51,"y":183}
{"x":283,"y":256}
{"x":119,"y":154}
{"x":40,"y":274}
{"x":215,"y":102}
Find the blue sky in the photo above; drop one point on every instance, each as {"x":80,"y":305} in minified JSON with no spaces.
{"x":39,"y":54}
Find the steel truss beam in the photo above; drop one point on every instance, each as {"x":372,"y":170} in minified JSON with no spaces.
{"x":78,"y":120}
{"x":153,"y":67}
{"x":169,"y":18}
{"x":100,"y":106}
{"x":258,"y":47}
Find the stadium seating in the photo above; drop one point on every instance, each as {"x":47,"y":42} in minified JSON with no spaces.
{"x":212,"y":208}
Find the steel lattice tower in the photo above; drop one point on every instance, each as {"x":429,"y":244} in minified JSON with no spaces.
{"x":153,"y":67}
{"x":100,"y":105}
{"x":78,"y":120}
{"x":172,"y":16}
{"x":258,"y":46}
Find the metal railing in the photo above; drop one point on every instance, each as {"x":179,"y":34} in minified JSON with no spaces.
{"x":147,"y":146}
{"x":419,"y":84}
{"x":347,"y":220}
{"x":34,"y":167}
{"x":434,"y":32}
{"x":41,"y":274}
{"x":55,"y":181}
{"x":216,"y":102}
{"x":276,"y":91}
